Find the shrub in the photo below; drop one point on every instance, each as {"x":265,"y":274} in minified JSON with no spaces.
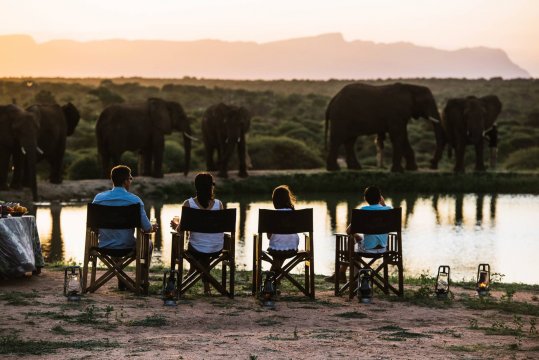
{"x":85,"y":167}
{"x":173,"y":158}
{"x":282,"y":153}
{"x":525,"y":159}
{"x":130,"y":159}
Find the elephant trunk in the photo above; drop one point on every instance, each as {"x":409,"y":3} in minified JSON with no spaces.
{"x":187,"y":151}
{"x":30,"y":159}
{"x":440,"y":138}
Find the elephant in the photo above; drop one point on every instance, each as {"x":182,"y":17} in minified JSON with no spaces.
{"x":19,"y":144}
{"x":56,"y":123}
{"x":360,"y":109}
{"x":467,"y":121}
{"x":222,"y":127}
{"x":142,"y":127}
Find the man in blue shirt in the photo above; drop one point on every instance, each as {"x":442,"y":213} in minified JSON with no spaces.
{"x":370,"y":243}
{"x":120,"y":196}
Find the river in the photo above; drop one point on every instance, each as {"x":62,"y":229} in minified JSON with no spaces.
{"x":461,"y":231}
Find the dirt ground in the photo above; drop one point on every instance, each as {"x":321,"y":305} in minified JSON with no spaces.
{"x":109,"y":324}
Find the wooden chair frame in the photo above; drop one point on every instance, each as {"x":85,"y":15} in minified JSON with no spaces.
{"x":285,"y":222}
{"x":116,"y":217}
{"x":210,"y":222}
{"x":371,"y":222}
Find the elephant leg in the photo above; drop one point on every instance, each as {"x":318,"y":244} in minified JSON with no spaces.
{"x":351,"y":159}
{"x":409,"y":155}
{"x":5,"y":155}
{"x":331,"y":162}
{"x":241,"y":158}
{"x":145,"y":162}
{"x":56,"y":161}
{"x":105,"y":164}
{"x":158,"y":150}
{"x":479,"y":162}
{"x":459,"y":157}
{"x":18,"y":170}
{"x":210,"y":164}
{"x":224,"y":157}
{"x":397,"y":143}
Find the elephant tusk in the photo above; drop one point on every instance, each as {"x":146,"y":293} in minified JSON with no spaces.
{"x":239,"y":140}
{"x":226,"y":141}
{"x":190,"y":136}
{"x":23,"y":150}
{"x":39,"y":150}
{"x":434,"y":120}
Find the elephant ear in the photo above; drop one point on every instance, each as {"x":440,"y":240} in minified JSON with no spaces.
{"x":72,"y":117}
{"x":493,"y":107}
{"x":160,"y":115}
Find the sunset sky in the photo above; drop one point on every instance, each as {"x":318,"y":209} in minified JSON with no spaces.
{"x":507,"y":24}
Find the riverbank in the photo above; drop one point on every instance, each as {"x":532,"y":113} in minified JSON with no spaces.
{"x":178,"y":186}
{"x":38,"y":321}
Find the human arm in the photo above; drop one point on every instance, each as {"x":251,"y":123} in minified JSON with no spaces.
{"x":174,"y":225}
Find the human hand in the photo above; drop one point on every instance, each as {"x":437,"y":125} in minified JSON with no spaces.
{"x":382,"y":201}
{"x":174,"y":223}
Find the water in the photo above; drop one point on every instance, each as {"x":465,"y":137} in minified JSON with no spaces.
{"x":461,"y":231}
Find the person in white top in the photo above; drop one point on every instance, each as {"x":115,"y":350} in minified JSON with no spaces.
{"x":203,"y":246}
{"x":282,"y":246}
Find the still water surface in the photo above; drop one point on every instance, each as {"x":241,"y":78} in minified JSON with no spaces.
{"x":457,"y":230}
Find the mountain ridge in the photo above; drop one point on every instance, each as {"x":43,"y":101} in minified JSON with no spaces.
{"x":317,"y":57}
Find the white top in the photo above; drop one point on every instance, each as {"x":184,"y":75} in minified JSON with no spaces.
{"x":206,"y":242}
{"x":284,"y":241}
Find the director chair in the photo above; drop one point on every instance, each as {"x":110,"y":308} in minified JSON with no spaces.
{"x":285,"y":222}
{"x":371,"y":222}
{"x":116,"y":260}
{"x":206,"y":221}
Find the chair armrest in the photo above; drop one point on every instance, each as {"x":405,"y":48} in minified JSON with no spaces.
{"x":340,"y":234}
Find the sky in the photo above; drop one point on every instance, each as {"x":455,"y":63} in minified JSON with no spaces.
{"x":511,"y":25}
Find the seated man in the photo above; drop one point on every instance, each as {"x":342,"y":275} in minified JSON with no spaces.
{"x":122,"y":240}
{"x":370,"y":243}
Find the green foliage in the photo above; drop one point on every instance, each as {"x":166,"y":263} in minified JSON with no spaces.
{"x":523,"y":159}
{"x":130,"y":159}
{"x":12,"y":344}
{"x":173,"y":158}
{"x":84,"y":167}
{"x":291,"y":109}
{"x":282,"y":153}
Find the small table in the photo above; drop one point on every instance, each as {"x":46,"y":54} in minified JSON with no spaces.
{"x":20,"y":248}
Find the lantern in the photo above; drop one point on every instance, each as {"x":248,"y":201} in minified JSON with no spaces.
{"x":483,"y":279}
{"x":268,"y":290}
{"x":169,"y":292}
{"x":72,"y":283}
{"x":442,"y":282}
{"x":364,"y":286}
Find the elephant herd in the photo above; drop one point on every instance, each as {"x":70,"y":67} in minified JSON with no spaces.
{"x":360,"y":109}
{"x":40,"y":131}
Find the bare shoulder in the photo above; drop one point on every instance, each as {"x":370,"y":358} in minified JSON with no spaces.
{"x":186,"y":203}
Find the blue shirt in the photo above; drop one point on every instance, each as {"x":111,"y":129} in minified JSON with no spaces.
{"x":370,"y":241}
{"x":120,"y":238}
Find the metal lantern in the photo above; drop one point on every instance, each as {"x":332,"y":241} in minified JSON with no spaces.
{"x":364,"y":286}
{"x":169,"y":287}
{"x":442,"y":282}
{"x":72,"y":283}
{"x":483,"y":279}
{"x":268,"y":290}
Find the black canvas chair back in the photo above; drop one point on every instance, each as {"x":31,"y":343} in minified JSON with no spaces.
{"x":285,"y":222}
{"x":113,"y":217}
{"x":116,"y":260}
{"x":205,"y":221}
{"x":368,"y":222}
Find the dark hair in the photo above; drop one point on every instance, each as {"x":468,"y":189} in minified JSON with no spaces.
{"x":204,"y":187}
{"x":283,"y":198}
{"x":372,"y":195}
{"x":119,"y":174}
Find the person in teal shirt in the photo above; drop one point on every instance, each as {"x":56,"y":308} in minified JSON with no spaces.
{"x":370,"y":243}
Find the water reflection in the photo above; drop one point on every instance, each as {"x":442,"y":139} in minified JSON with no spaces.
{"x":458,"y":230}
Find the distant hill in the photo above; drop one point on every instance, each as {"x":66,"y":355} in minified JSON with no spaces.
{"x":318,"y":57}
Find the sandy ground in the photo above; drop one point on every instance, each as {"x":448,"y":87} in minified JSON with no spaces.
{"x":211,"y":327}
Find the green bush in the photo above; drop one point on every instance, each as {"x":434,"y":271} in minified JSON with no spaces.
{"x":130,"y":159}
{"x":527,"y":159}
{"x":282,"y":153}
{"x":173,"y":158}
{"x":85,"y":167}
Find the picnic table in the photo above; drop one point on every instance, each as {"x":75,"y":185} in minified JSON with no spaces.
{"x":20,"y":248}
